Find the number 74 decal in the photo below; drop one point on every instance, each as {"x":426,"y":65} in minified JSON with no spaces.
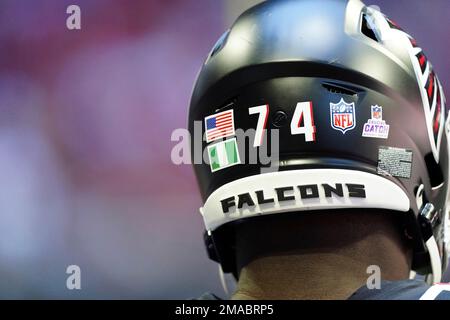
{"x":303,"y":110}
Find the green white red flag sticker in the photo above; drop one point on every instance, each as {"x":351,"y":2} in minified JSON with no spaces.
{"x":223,"y":154}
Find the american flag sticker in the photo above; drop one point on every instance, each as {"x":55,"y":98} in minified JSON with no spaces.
{"x":219,"y":125}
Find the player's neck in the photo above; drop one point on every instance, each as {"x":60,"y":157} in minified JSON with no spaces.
{"x":294,"y":277}
{"x":334,"y":274}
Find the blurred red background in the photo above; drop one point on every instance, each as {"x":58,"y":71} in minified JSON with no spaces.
{"x":85,"y":126}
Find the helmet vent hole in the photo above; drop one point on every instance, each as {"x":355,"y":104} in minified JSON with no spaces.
{"x":219,"y":45}
{"x":339,"y":89}
{"x":434,"y":171}
{"x":367,"y":28}
{"x":227,"y":105}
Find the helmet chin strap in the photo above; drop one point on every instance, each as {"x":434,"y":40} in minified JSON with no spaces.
{"x":223,"y":281}
{"x":447,"y":213}
{"x":435,"y":258}
{"x":446,"y":238}
{"x":427,"y":213}
{"x":427,"y":218}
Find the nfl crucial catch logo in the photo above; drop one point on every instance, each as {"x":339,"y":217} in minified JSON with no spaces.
{"x":223,"y":155}
{"x":342,"y":116}
{"x":376,"y":127}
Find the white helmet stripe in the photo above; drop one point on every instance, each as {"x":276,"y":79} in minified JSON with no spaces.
{"x":301,"y":190}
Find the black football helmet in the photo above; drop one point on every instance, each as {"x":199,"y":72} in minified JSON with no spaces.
{"x":348,"y":105}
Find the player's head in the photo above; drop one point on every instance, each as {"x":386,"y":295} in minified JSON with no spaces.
{"x":350,"y":104}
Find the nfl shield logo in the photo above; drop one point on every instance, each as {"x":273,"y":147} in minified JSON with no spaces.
{"x":377,"y":112}
{"x":343,"y":116}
